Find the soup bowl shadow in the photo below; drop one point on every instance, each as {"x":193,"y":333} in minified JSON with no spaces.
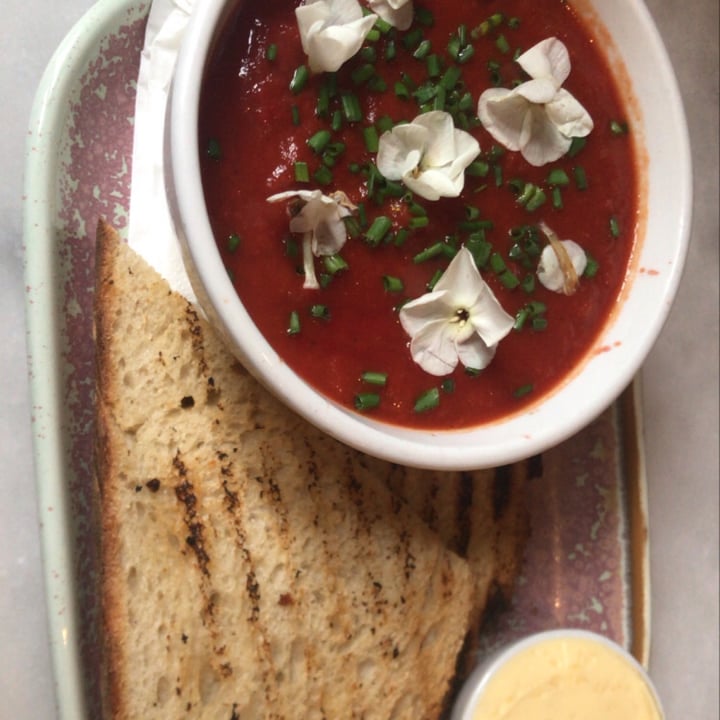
{"x":651,"y":94}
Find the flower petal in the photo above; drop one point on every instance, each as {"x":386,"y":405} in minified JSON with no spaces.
{"x":429,"y":155}
{"x":440,"y":146}
{"x":332,"y":31}
{"x":400,"y":150}
{"x":568,"y":115}
{"x":433,"y":184}
{"x":549,"y":271}
{"x":474,"y":353}
{"x":541,"y":142}
{"x":427,"y":308}
{"x":548,"y":59}
{"x":398,"y":13}
{"x":433,"y":348}
{"x":502,"y":113}
{"x":540,"y":91}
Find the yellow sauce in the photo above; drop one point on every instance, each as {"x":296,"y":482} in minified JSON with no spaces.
{"x":572,"y":678}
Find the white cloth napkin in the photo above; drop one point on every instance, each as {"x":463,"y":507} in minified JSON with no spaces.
{"x":150,"y":232}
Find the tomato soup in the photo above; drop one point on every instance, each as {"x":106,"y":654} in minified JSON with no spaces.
{"x":255,"y":124}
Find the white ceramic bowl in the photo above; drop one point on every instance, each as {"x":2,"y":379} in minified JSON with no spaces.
{"x":530,"y":654}
{"x":655,"y":106}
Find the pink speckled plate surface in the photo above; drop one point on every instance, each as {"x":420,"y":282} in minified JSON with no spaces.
{"x":586,"y":564}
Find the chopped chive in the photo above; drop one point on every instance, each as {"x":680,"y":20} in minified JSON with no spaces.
{"x":497,"y":264}
{"x":419,"y":221}
{"x":366,"y":401}
{"x":513,"y":22}
{"x":576,"y":145}
{"x":361,"y":74}
{"x":323,"y":175}
{"x":539,"y":323}
{"x":351,"y":107}
{"x":400,"y":237}
{"x":478,"y":168}
{"x":320,"y":311}
{"x":472,"y":372}
{"x":401,"y":91}
{"x":390,"y":50}
{"x":520,"y":318}
{"x":368,"y":54}
{"x":429,"y":252}
{"x":384,"y":123}
{"x":336,"y":121}
{"x":334,"y":263}
{"x":299,"y":79}
{"x":528,"y":283}
{"x":509,"y":279}
{"x":465,"y":54}
{"x":538,"y":198}
{"x":302,"y":173}
{"x":557,"y":200}
{"x":378,"y":230}
{"x":434,"y":67}
{"x":373,"y":35}
{"x":451,"y":76}
{"x":293,"y":323}
{"x":271,"y":52}
{"x":591,"y":268}
{"x":233,"y":242}
{"x":370,"y":135}
{"x":428,"y":400}
{"x":618,"y":128}
{"x":447,"y":385}
{"x":213,"y":149}
{"x":502,"y":44}
{"x":319,"y":141}
{"x":523,"y":390}
{"x":580,"y":177}
{"x":392,"y":284}
{"x":430,"y":285}
{"x":614,"y":227}
{"x":291,"y":247}
{"x":295,"y":115}
{"x":422,"y":50}
{"x":557,"y":176}
{"x":373,"y":377}
{"x":383,"y":26}
{"x":412,"y":38}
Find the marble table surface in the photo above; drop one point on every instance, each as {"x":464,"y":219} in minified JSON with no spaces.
{"x":679,"y":381}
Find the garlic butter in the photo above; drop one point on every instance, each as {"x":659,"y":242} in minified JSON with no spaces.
{"x":567,"y":677}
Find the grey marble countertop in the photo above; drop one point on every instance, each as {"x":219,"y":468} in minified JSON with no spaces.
{"x":679,"y":380}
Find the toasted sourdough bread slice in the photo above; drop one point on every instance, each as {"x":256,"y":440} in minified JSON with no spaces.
{"x":253,"y":567}
{"x":483,"y":517}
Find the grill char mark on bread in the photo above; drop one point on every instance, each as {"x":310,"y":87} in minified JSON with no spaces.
{"x":263,"y":570}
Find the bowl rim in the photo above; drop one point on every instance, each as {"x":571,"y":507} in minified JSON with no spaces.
{"x":483,"y":673}
{"x":496,"y":443}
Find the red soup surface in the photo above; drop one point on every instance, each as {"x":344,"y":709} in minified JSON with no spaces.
{"x":255,"y":128}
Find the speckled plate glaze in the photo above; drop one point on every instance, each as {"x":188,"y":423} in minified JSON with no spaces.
{"x":586,"y":563}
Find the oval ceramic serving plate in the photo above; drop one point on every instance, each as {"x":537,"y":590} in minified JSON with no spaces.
{"x":586,"y":563}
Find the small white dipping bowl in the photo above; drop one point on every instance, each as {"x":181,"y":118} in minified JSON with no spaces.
{"x":573,"y":670}
{"x":655,"y":108}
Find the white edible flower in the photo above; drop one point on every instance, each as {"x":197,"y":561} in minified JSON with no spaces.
{"x":460,"y":320}
{"x":429,"y":155}
{"x":332,"y":31}
{"x":398,"y":13}
{"x":319,"y":219}
{"x":562,"y":262}
{"x":538,"y":117}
